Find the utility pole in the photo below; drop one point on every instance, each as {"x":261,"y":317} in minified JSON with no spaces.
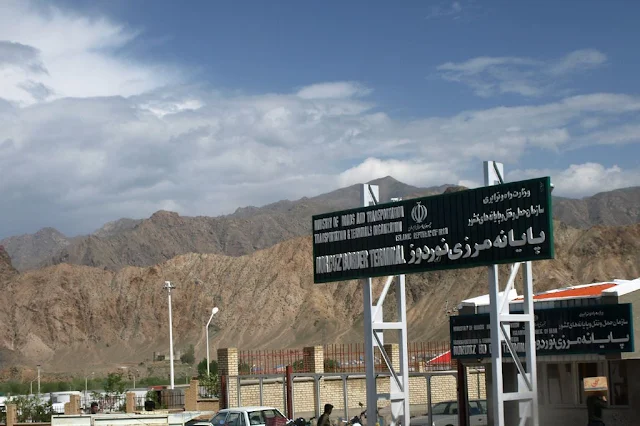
{"x":206,"y":328}
{"x":38,"y":382}
{"x":168,"y":287}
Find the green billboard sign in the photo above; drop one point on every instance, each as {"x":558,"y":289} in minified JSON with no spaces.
{"x":505,"y":223}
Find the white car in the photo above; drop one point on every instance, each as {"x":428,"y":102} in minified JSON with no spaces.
{"x":246,"y":416}
{"x":446,"y":414}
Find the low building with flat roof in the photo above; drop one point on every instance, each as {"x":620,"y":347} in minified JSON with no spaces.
{"x":581,"y":331}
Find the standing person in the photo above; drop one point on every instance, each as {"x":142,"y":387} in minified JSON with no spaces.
{"x":94,"y":408}
{"x":324,"y":419}
{"x":595,"y":403}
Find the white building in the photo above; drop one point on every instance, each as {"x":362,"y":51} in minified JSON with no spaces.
{"x":596,"y":353}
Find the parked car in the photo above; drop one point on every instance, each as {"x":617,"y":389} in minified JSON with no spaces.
{"x":246,"y":416}
{"x":446,"y":414}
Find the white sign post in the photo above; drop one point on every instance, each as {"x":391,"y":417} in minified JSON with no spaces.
{"x":500,"y":317}
{"x":373,"y":331}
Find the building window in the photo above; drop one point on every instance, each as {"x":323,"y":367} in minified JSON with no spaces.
{"x":619,"y":386}
{"x":560,"y":384}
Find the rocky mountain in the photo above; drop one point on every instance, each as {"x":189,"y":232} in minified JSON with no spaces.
{"x":613,"y":208}
{"x":28,"y":251}
{"x":129,"y":242}
{"x":72,"y":315}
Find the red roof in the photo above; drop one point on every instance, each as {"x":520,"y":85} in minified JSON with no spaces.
{"x":444,"y":358}
{"x":585,"y":291}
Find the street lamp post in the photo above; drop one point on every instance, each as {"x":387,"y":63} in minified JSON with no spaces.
{"x":168,"y":287}
{"x":38,"y":381}
{"x":206,"y":329}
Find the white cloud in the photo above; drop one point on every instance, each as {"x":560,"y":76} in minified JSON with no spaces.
{"x":334,"y":90}
{"x":88,"y":161}
{"x":580,"y":180}
{"x":75,"y":156}
{"x":529,"y":77}
{"x":77,"y":51}
{"x":411,"y":172}
{"x":445,"y":9}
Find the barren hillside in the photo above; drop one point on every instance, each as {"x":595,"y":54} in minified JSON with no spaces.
{"x":128,"y":242}
{"x":71,"y":315}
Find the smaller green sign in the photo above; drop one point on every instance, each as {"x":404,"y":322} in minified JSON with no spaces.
{"x":590,"y":329}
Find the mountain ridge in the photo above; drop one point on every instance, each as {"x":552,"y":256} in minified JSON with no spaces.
{"x":267,"y":299}
{"x":144,"y":242}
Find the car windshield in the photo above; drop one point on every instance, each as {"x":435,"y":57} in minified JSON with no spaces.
{"x":265,"y":417}
{"x":218,"y":419}
{"x":440,"y":408}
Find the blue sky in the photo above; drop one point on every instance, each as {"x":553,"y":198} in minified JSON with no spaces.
{"x":118,"y":108}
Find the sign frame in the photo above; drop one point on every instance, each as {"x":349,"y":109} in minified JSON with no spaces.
{"x":444,"y":199}
{"x":483,"y":319}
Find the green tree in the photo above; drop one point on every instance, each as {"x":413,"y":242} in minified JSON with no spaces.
{"x":202,"y":368}
{"x":189,"y":356}
{"x":331,"y":365}
{"x":298,"y":366}
{"x":211,"y":384}
{"x":114,"y":384}
{"x":244,"y":368}
{"x":30,"y":410}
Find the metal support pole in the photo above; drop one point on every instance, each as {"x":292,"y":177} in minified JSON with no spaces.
{"x":261,"y":388}
{"x":530,"y":345}
{"x":345,"y":397}
{"x":463,"y":415}
{"x":289,"y":391}
{"x":370,"y":196}
{"x":168,"y":286}
{"x":402,"y":406}
{"x":527,"y":392}
{"x":317,"y":392}
{"x":429,"y":400}
{"x":373,"y":334}
{"x":369,"y":362}
{"x":496,"y":348}
{"x":206,"y":329}
{"x":38,"y":383}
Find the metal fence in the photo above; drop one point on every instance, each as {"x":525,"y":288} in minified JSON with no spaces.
{"x":269,"y":361}
{"x":430,"y":356}
{"x":349,"y":358}
{"x":423,"y":356}
{"x":343,"y":358}
{"x":209,"y":391}
{"x":167,"y":400}
{"x":116,"y":403}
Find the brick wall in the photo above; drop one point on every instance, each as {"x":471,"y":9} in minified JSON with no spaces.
{"x":331,"y":391}
{"x":331,"y":388}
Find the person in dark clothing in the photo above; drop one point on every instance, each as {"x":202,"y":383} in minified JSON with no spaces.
{"x":595,"y":403}
{"x":324,"y":419}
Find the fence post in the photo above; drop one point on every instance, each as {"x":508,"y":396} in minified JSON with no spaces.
{"x":12,"y":414}
{"x":313,"y":360}
{"x":130,"y":402}
{"x":463,"y":418}
{"x":223,"y":392}
{"x":228,"y":366}
{"x":289,"y":379}
{"x":191,"y":396}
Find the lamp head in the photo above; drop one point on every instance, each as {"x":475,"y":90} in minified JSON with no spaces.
{"x":214,"y":310}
